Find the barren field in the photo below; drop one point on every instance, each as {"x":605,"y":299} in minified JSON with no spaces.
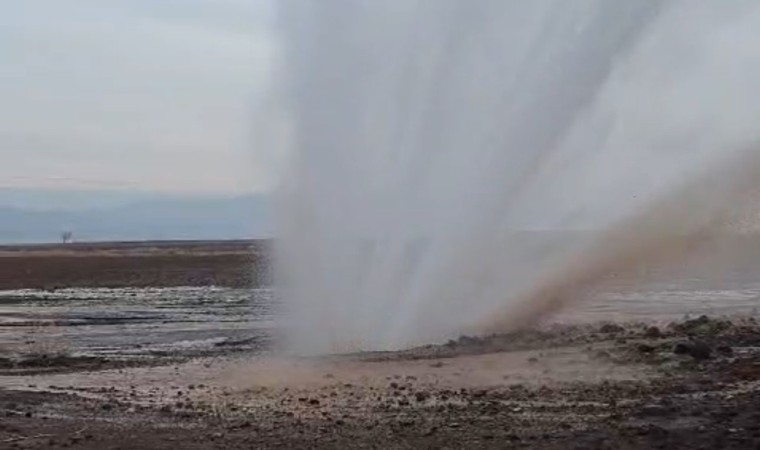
{"x":692,"y":384}
{"x":144,"y":264}
{"x":170,"y":346}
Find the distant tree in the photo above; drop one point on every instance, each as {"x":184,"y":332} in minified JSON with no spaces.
{"x":66,"y":237}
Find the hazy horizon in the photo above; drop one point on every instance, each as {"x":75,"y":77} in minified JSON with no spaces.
{"x":133,"y":119}
{"x":40,"y":216}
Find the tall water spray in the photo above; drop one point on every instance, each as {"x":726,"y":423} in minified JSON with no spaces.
{"x":463,"y":165}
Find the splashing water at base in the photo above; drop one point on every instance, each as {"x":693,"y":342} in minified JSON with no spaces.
{"x":465,"y":166}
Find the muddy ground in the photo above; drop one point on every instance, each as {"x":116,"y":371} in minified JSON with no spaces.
{"x":692,"y":384}
{"x":134,"y":264}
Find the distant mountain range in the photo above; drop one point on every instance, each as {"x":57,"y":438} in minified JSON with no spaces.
{"x":39,"y":216}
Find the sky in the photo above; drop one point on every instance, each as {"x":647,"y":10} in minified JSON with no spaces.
{"x":148,"y":95}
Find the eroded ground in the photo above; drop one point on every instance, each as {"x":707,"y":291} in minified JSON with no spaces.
{"x":693,"y":384}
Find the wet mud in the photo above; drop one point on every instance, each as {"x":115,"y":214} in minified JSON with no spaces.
{"x":693,"y":383}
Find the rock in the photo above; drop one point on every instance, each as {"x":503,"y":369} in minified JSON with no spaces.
{"x":421,"y":396}
{"x":702,"y":325}
{"x":682,"y":348}
{"x":431,"y":431}
{"x":695,"y":349}
{"x":406,"y":422}
{"x":645,"y":348}
{"x":653,"y":332}
{"x":725,"y":350}
{"x":700,"y":350}
{"x":470,"y":341}
{"x":654,"y":410}
{"x":479,"y":393}
{"x":611,"y":328}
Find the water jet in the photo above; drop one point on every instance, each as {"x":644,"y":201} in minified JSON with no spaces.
{"x":455,"y":164}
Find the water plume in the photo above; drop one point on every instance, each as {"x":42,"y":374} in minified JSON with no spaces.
{"x":669,"y":230}
{"x":467,"y":165}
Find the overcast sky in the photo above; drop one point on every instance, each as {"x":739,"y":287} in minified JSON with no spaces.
{"x":153,"y":95}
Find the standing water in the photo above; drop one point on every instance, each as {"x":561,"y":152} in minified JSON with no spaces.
{"x":463,"y":166}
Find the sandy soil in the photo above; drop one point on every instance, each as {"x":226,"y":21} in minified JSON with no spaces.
{"x":693,"y":384}
{"x":140,"y":264}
